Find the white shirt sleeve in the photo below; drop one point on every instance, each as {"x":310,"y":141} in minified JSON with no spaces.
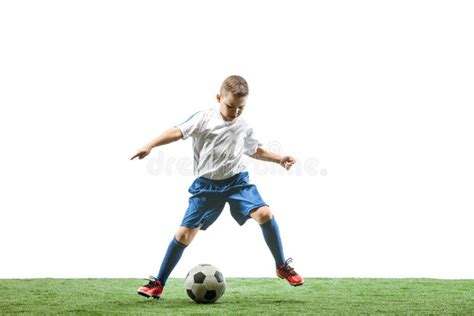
{"x":191,"y":127}
{"x":251,"y":143}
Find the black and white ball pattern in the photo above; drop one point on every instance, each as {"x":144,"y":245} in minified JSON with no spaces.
{"x":205,"y":283}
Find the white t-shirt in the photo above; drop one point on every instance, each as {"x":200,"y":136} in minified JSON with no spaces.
{"x":218,"y":145}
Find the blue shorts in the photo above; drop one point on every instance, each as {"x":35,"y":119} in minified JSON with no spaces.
{"x":209,"y":198}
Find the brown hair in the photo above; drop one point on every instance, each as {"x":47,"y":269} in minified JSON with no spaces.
{"x":236,"y":85}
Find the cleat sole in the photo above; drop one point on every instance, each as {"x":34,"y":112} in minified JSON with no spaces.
{"x":299,"y":284}
{"x":148,"y":296}
{"x":143,"y":294}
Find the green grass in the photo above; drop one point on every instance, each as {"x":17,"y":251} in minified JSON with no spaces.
{"x":242,"y":296}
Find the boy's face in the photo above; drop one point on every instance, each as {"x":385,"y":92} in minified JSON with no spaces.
{"x":231,"y":106}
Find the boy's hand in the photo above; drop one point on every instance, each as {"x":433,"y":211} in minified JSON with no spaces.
{"x":287,"y":161}
{"x":142,"y":153}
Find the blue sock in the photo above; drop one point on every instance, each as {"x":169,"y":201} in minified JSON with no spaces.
{"x":271,"y":233}
{"x":173,"y":254}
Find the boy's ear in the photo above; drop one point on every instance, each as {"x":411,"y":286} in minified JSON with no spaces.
{"x":218,"y":97}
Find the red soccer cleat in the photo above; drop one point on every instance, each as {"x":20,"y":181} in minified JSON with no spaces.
{"x":152,"y":289}
{"x":284,"y":271}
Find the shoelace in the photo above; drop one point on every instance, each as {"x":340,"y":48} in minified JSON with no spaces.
{"x":287,"y":268}
{"x":152,"y":281}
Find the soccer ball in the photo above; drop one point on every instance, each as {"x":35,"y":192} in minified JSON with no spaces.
{"x":204,"y":284}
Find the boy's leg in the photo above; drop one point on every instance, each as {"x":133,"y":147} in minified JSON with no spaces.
{"x":180,"y":241}
{"x":271,"y":233}
{"x":205,"y":206}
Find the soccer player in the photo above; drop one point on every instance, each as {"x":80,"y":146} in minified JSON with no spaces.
{"x":220,"y":139}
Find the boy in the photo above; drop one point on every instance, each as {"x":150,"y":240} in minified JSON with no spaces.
{"x":220,"y":138}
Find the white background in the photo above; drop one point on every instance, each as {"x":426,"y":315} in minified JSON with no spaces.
{"x":375,"y":98}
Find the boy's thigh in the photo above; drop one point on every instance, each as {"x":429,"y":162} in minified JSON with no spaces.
{"x":243,"y":201}
{"x":203,"y":210}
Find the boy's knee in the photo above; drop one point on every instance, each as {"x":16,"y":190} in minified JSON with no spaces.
{"x":262,"y":214}
{"x":185,"y":235}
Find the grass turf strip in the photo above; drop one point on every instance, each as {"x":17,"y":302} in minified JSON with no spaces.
{"x":242,"y":296}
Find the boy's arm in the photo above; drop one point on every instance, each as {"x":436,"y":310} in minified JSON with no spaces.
{"x":170,"y":135}
{"x":285,"y":161}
